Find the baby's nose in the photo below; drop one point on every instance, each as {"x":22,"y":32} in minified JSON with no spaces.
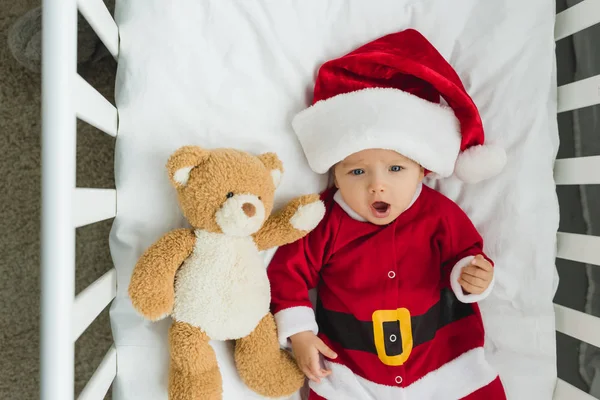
{"x":249,"y":209}
{"x":377,"y":187}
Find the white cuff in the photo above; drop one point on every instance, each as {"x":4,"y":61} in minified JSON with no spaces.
{"x":457,"y":289}
{"x":294,"y":320}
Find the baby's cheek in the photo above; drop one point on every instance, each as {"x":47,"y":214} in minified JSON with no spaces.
{"x":404,"y":199}
{"x":357,"y":202}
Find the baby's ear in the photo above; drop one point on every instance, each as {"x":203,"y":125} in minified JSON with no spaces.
{"x":182,"y":161}
{"x":273,"y":164}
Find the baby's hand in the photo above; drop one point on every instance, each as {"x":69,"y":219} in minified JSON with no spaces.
{"x":476,"y":278}
{"x":306,"y":347}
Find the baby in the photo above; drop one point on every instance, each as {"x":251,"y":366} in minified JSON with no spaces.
{"x":398,"y":267}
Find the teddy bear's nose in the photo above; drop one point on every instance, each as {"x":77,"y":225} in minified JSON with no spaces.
{"x":249,"y":209}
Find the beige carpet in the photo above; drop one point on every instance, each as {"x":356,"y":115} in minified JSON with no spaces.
{"x":20,"y":213}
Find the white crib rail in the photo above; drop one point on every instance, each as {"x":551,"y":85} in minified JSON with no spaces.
{"x":98,"y":385}
{"x":577,"y":171}
{"x":579,"y":248}
{"x":93,"y":205}
{"x":577,"y":324}
{"x":566,"y":391}
{"x":577,"y":18}
{"x":58,"y":179}
{"x":579,"y":94}
{"x":92,"y":300}
{"x":99,"y":18}
{"x":93,"y":108}
{"x":66,"y":97}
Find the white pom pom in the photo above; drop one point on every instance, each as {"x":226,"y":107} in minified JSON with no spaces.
{"x":478,"y":163}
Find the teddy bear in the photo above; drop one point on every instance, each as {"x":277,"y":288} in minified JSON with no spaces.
{"x":211,"y":280}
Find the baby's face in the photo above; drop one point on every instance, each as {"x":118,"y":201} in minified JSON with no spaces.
{"x":378,"y":184}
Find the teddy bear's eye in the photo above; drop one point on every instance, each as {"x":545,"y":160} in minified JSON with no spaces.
{"x":229,"y":195}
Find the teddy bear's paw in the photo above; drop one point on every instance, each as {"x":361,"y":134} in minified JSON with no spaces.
{"x":154,"y":314}
{"x":161,"y":317}
{"x":272,"y":375}
{"x":308,"y":216}
{"x":194,"y":370}
{"x":263,"y":366}
{"x":153,"y":307}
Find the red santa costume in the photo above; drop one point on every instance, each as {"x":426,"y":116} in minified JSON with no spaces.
{"x":389,"y":302}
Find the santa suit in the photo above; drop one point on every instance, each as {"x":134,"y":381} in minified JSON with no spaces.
{"x":389,"y":303}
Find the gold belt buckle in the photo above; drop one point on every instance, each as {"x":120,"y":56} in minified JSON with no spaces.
{"x":402,"y":315}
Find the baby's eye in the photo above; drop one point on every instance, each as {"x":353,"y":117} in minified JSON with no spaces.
{"x":396,"y":168}
{"x":357,"y":171}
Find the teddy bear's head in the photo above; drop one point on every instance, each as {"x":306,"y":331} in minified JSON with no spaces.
{"x":225,"y":190}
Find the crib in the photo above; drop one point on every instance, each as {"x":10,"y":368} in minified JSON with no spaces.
{"x":65,"y":207}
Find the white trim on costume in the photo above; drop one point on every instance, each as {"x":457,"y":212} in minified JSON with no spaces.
{"x":294,"y":320}
{"x":453,"y":380}
{"x":457,"y":289}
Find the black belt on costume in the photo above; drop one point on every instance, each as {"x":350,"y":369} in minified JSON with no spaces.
{"x":353,"y":334}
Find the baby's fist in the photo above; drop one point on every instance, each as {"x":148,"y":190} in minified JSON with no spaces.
{"x":307,"y":348}
{"x":476,"y":277}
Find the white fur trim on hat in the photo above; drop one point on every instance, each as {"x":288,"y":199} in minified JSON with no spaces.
{"x":479,"y":162}
{"x":392,"y":119}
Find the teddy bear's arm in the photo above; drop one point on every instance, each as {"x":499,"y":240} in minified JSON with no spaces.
{"x":151,"y":288}
{"x":293,"y":222}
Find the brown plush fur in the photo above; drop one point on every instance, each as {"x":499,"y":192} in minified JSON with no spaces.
{"x":271,"y":161}
{"x":194,"y":373}
{"x":217,"y":173}
{"x":258,"y":359}
{"x":277,"y":230}
{"x":151,"y":287}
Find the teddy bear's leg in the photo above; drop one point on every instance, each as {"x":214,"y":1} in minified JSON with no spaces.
{"x":194,"y":373}
{"x":263,"y":366}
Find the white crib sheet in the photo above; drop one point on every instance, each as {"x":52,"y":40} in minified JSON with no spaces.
{"x":221,"y":73}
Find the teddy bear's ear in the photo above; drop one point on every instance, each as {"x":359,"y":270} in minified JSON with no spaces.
{"x":274,"y":164}
{"x":182,"y":161}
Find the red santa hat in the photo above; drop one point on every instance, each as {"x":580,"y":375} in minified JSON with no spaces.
{"x":387,"y":94}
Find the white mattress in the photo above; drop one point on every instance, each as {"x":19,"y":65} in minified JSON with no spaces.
{"x":222,"y":73}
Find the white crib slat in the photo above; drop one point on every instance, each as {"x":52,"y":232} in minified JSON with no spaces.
{"x":579,"y":248}
{"x":576,"y":18}
{"x":99,"y":18}
{"x":579,"y":94}
{"x":100,"y":382}
{"x":577,"y":171}
{"x":93,"y":108}
{"x":93,"y":205}
{"x":92,"y":300}
{"x":566,"y":391}
{"x":577,"y":324}
{"x":59,"y":51}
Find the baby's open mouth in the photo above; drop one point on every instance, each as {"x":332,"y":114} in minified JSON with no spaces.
{"x":380,"y":209}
